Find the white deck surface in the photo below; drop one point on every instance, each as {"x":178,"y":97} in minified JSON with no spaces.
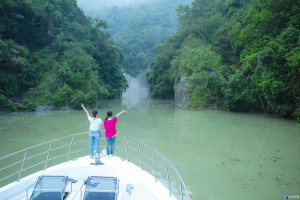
{"x":144,"y":185}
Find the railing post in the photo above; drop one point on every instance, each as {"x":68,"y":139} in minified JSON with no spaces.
{"x":183,"y":191}
{"x":127,"y":148}
{"x":180,"y":187}
{"x":154,"y":166}
{"x":22,"y":164}
{"x":140,"y":156}
{"x":48,"y":156}
{"x":70,"y":148}
{"x":168,"y":177}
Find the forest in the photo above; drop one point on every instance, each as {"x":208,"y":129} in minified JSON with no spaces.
{"x":237,"y":55}
{"x":136,"y":27}
{"x":52,"y":54}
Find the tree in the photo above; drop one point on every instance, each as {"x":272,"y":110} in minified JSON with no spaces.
{"x":51,"y":53}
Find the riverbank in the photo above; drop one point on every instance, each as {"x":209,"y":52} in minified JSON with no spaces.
{"x":37,"y":109}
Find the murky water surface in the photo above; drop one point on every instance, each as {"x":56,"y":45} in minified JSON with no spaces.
{"x":219,"y":155}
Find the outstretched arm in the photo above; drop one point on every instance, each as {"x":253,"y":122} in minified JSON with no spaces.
{"x":87,"y":113}
{"x":121,"y":113}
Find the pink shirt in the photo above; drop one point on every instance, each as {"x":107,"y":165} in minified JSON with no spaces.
{"x":110,"y":127}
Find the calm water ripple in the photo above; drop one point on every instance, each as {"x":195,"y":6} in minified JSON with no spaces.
{"x":220,"y":155}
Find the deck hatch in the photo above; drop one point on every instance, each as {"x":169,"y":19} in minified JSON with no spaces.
{"x":98,"y":187}
{"x":49,"y":188}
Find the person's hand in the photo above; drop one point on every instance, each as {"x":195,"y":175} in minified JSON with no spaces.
{"x":82,"y":105}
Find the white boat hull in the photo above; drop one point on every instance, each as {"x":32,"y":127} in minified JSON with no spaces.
{"x":144,"y":184}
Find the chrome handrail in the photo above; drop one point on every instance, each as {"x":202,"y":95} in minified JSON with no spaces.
{"x":161,"y":172}
{"x":183,"y":195}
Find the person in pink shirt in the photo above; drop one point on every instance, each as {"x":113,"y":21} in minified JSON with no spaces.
{"x":110,"y":131}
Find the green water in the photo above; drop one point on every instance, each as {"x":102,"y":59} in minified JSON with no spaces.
{"x":219,"y":155}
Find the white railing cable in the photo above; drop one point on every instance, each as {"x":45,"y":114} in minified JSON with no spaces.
{"x":161,"y":173}
{"x":166,"y":161}
{"x":11,"y":165}
{"x":42,"y":144}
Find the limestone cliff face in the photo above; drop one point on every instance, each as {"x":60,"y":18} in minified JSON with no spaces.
{"x":181,"y":96}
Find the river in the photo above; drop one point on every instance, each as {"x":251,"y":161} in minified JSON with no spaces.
{"x":220,"y":155}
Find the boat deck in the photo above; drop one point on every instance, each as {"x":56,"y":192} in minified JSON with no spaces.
{"x":143,"y":184}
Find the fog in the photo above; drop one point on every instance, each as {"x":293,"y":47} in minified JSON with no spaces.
{"x":94,"y":4}
{"x":100,"y":4}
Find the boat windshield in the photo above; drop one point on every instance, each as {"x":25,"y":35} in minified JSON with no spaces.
{"x":98,"y":187}
{"x":49,"y":187}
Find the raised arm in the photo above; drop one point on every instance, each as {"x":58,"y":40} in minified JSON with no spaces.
{"x":121,"y":113}
{"x":87,"y":113}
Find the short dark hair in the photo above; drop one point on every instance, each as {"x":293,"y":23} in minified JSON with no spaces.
{"x":94,"y":112}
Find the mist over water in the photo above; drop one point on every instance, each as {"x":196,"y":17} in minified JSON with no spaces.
{"x":220,"y":155}
{"x":102,"y":4}
{"x":137,"y":92}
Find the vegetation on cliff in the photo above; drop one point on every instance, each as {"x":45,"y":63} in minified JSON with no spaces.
{"x":51,"y":53}
{"x":241,"y":55}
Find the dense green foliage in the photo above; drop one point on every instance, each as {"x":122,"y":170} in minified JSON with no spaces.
{"x":51,"y":53}
{"x":240,"y":55}
{"x":137,"y":28}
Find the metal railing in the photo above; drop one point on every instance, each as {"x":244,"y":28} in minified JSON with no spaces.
{"x":17,"y":165}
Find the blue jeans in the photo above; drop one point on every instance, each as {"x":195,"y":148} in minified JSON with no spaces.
{"x":94,"y":137}
{"x":110,"y":144}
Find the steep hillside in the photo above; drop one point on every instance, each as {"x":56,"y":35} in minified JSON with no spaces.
{"x":238,"y":55}
{"x":51,"y":53}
